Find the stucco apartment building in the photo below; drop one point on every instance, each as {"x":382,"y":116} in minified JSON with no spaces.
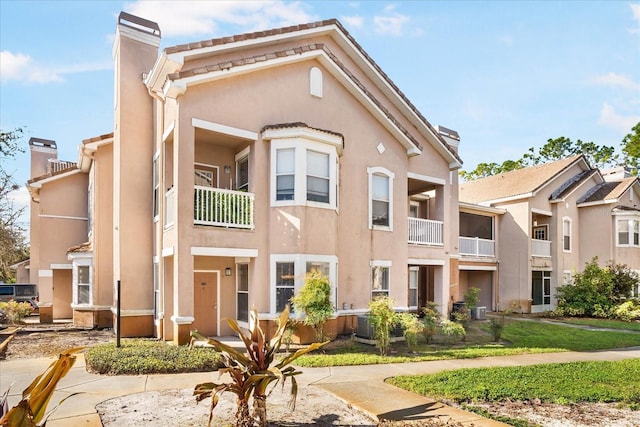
{"x":551,"y":220}
{"x":235,"y":166}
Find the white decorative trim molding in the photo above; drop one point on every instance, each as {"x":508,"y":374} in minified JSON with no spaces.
{"x":224,"y":252}
{"x":182,"y":320}
{"x":45,"y":273}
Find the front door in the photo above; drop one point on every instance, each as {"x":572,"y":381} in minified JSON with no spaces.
{"x":205,"y":301}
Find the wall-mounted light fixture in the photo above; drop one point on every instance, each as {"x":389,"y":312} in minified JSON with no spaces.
{"x":227,"y":170}
{"x":227,"y":271}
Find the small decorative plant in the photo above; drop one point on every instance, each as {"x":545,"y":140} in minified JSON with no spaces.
{"x":254,"y":371}
{"x":314,"y":300}
{"x":411,"y":327}
{"x":430,"y":321}
{"x":15,"y":311}
{"x":496,"y":325}
{"x":453,"y":330}
{"x":383,"y":318}
{"x":472,"y":298}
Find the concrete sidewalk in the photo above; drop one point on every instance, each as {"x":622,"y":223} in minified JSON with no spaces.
{"x":361,"y":386}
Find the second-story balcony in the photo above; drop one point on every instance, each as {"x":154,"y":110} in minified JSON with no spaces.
{"x":475,"y":246}
{"x":541,"y":248}
{"x":425,"y":231}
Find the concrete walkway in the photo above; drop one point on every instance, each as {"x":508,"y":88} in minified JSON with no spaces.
{"x":361,"y":386}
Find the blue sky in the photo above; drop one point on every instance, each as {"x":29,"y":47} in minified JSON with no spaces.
{"x":506,"y":75}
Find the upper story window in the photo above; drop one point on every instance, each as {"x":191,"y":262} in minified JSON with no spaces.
{"x":304,"y":173}
{"x":566,"y":234}
{"x":315,"y":82}
{"x":242,"y":170}
{"x":628,"y":232}
{"x":540,"y":232}
{"x":380,"y":198}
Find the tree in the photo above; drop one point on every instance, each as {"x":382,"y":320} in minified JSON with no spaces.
{"x":314,"y":300}
{"x":631,"y":149}
{"x":12,"y":242}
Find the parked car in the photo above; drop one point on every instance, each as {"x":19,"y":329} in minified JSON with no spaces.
{"x":21,"y":292}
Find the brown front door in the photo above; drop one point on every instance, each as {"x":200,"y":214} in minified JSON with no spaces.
{"x":205,"y":300}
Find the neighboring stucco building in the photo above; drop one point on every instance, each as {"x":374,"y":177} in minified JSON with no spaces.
{"x":558,"y":217}
{"x":235,"y":166}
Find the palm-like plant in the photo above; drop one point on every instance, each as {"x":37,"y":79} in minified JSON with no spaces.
{"x":252,"y":372}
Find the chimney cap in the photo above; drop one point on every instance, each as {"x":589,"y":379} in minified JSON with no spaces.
{"x":40,"y":142}
{"x":139,"y":24}
{"x":448,"y":132}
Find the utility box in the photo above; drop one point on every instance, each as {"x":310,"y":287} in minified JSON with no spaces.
{"x":479,"y":313}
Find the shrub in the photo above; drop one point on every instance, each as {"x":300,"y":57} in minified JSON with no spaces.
{"x":453,"y":330}
{"x":140,"y":356}
{"x":314,"y":300}
{"x":625,"y":281}
{"x":411,"y":327}
{"x":15,"y":311}
{"x":472,"y":298}
{"x":496,"y":325}
{"x":383,"y":318}
{"x":462,"y":316}
{"x":627,"y":311}
{"x":593,"y":287}
{"x":430,"y":321}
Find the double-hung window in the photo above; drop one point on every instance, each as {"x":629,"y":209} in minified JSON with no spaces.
{"x":380,"y":198}
{"x":242,"y":293}
{"x":380,"y":278}
{"x":242,"y":171}
{"x":285,"y":174}
{"x":288,"y":273}
{"x":566,"y":234}
{"x":318,"y":179}
{"x":628,"y":230}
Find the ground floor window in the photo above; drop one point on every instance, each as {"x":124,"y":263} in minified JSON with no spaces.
{"x":541,"y":287}
{"x":288,"y":275}
{"x":380,"y":278}
{"x":83,"y":285}
{"x":413,"y":286}
{"x":242,"y":293}
{"x":157,"y":302}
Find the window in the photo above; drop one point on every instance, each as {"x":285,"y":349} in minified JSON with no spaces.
{"x":628,"y":232}
{"x":285,"y":174}
{"x":156,"y":186}
{"x":157,"y":302}
{"x":380,"y":198}
{"x":566,"y":234}
{"x":288,"y":275}
{"x":285,"y":284}
{"x":206,"y":176}
{"x":84,"y":285}
{"x":315,"y":82}
{"x":380,"y":279}
{"x":304,"y":172}
{"x":540,"y":232}
{"x":317,"y":177}
{"x":242,"y":173}
{"x":242,"y":292}
{"x":413,"y":286}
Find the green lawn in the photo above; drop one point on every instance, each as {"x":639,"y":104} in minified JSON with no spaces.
{"x":518,"y":337}
{"x":602,"y":323}
{"x":561,"y":383}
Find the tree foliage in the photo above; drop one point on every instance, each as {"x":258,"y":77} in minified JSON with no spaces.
{"x":12,"y":242}
{"x":314,"y":300}
{"x":599,"y":156}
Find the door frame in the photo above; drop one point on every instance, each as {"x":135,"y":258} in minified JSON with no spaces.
{"x":217,"y":282}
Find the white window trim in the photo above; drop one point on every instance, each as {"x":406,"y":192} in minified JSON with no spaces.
{"x":156,"y":186}
{"x":378,"y":263}
{"x":300,"y":147}
{"x":630,"y":220}
{"x":82,"y":262}
{"x":300,"y":269}
{"x":315,"y":82}
{"x":240,"y":156}
{"x":417,"y":270}
{"x":566,"y":219}
{"x":196,"y":166}
{"x":380,"y":171}
{"x":238,"y":291}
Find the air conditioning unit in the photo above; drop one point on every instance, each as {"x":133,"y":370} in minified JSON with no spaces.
{"x":365,"y":332}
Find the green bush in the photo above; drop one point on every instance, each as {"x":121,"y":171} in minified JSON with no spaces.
{"x":15,"y":311}
{"x":453,"y":330}
{"x":411,"y":327}
{"x":496,"y":325}
{"x":140,"y":356}
{"x":383,"y":318}
{"x":627,"y":311}
{"x":430,"y":321}
{"x":472,"y":298}
{"x":314,"y":300}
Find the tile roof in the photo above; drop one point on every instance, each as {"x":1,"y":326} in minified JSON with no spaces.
{"x":608,"y":191}
{"x":296,"y":51}
{"x":98,"y":138}
{"x":514,"y":183}
{"x":82,"y":248}
{"x":299,"y":125}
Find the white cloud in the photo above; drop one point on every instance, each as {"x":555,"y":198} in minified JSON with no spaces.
{"x":635,"y":11}
{"x":615,"y":80}
{"x":611,"y":118}
{"x":188,"y":18}
{"x":21,"y":67}
{"x":352,"y":21}
{"x":391,"y":23}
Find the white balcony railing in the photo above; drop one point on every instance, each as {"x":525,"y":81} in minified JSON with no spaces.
{"x":223,"y":208}
{"x":425,"y":231}
{"x":541,"y":248}
{"x":475,"y":246}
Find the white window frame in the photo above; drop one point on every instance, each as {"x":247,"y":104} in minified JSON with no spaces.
{"x":377,"y":170}
{"x":157,"y":293}
{"x":300,"y":146}
{"x":378,"y":264}
{"x":156,"y":187}
{"x":239,"y":292}
{"x":82,"y":262}
{"x":241,"y":156}
{"x":565,"y":221}
{"x":633,"y":224}
{"x":567,"y":277}
{"x":300,"y":269}
{"x":315,"y":82}
{"x":413,"y":270}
